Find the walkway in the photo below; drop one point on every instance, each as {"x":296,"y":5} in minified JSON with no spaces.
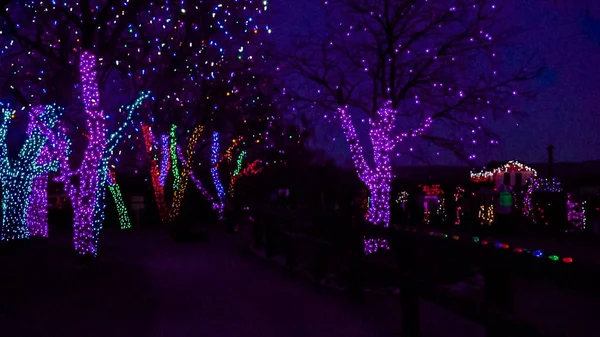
{"x":146,"y":286}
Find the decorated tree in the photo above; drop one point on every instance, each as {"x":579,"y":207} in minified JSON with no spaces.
{"x":96,"y":35}
{"x":115,"y":191}
{"x":18,"y":173}
{"x":242,"y":169}
{"x":181,"y":179}
{"x":414,"y":69}
{"x":37,"y":214}
{"x":86,"y":237}
{"x":160,"y":163}
{"x":210,"y":51}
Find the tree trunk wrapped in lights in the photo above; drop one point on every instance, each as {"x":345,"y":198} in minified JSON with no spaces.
{"x":18,"y":174}
{"x":115,"y":190}
{"x":88,"y":40}
{"x":185,"y":170}
{"x":214,"y":172}
{"x":430,"y":61}
{"x":159,"y":169}
{"x":37,"y":214}
{"x":170,"y":158}
{"x":88,"y":195}
{"x":378,"y":177}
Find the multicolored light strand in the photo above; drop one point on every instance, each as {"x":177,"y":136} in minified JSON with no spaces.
{"x":216,"y":204}
{"x":228,"y":155}
{"x":185,"y":172}
{"x":499,"y":245}
{"x":155,"y":164}
{"x":106,"y":155}
{"x":250,"y":170}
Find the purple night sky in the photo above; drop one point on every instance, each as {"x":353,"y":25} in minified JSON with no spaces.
{"x":565,"y":34}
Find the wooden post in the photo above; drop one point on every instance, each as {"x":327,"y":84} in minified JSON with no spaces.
{"x":290,"y":259}
{"x":550,"y":149}
{"x":409,"y":301}
{"x":270,"y":243}
{"x":257,"y":234}
{"x":137,"y":204}
{"x":318,"y":263}
{"x":406,"y":255}
{"x":498,"y":291}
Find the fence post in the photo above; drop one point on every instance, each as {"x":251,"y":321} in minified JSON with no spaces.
{"x":356,"y":275}
{"x":270,"y":236}
{"x":318,"y":263}
{"x":290,"y":259}
{"x":406,"y":256}
{"x":409,"y":301}
{"x":257,"y":233}
{"x":498,"y":291}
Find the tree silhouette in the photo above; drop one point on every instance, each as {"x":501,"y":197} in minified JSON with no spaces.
{"x":427,"y":68}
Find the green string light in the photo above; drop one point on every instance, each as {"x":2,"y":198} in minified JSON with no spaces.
{"x":240,"y":161}
{"x":174,"y":159}
{"x":115,"y":191}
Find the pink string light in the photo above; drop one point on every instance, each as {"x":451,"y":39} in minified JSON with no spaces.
{"x":37,"y":214}
{"x":86,"y":229}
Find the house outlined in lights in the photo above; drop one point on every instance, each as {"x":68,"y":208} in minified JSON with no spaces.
{"x":513,"y":173}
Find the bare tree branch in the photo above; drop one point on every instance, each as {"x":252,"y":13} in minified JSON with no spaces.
{"x":433,"y":60}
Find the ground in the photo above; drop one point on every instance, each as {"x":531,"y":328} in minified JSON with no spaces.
{"x":145,"y":285}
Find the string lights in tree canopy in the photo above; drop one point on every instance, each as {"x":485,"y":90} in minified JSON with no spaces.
{"x":424,"y":80}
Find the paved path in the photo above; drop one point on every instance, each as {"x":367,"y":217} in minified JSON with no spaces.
{"x":146,"y":286}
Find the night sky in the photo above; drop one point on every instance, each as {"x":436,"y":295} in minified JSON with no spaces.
{"x":565,"y":34}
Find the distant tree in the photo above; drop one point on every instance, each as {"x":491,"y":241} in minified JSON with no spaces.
{"x":406,"y":65}
{"x":200,"y":72}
